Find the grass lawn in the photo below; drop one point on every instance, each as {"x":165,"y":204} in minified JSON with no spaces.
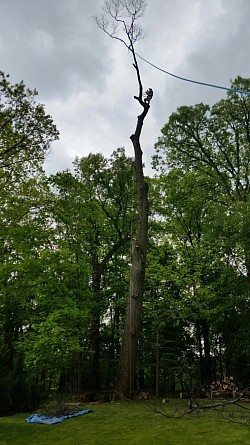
{"x":126,"y":423}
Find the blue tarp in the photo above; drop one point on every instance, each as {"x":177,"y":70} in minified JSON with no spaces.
{"x":42,"y":418}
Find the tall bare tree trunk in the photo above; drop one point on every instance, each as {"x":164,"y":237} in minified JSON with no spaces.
{"x":125,"y":378}
{"x":119,"y":21}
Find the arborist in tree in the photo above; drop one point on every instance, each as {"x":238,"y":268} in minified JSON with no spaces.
{"x":149,"y":94}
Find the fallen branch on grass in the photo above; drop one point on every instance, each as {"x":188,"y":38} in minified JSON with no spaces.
{"x":235,"y":401}
{"x":194,"y":406}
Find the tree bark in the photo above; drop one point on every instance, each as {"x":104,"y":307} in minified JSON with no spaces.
{"x":207,"y":352}
{"x":125,"y":377}
{"x":94,"y":360}
{"x":123,"y":16}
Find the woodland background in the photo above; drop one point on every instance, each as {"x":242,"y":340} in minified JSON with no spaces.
{"x":65,"y":255}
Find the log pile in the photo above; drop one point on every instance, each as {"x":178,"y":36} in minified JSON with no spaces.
{"x":144,"y":395}
{"x":225,"y":388}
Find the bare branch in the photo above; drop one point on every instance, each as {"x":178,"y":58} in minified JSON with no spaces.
{"x":119,"y":18}
{"x":111,"y":29}
{"x":119,"y":21}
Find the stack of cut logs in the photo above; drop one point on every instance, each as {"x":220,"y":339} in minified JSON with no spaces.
{"x":224,"y":388}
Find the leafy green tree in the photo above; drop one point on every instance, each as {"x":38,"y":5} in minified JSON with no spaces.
{"x":207,"y":193}
{"x":24,"y":236}
{"x":26,"y":131}
{"x":110,"y":187}
{"x":92,"y":213}
{"x":26,"y":134}
{"x":164,"y":342}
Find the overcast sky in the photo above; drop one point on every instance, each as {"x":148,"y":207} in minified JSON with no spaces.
{"x":87,"y":82}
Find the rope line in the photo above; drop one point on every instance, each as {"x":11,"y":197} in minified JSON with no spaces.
{"x":247,"y":93}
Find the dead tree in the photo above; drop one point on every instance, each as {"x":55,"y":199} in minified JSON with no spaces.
{"x":119,"y":19}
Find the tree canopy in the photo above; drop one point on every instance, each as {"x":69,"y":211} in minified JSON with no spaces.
{"x":66,"y":256}
{"x":26,"y":131}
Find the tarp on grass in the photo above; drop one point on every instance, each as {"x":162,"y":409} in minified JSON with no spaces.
{"x":42,"y":418}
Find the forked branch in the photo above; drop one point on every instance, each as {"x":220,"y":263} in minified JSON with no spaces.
{"x":119,"y":21}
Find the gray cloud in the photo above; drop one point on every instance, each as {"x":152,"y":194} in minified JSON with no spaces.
{"x":53,"y":45}
{"x":87,"y":80}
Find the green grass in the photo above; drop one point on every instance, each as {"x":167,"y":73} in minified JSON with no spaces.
{"x":127,"y":423}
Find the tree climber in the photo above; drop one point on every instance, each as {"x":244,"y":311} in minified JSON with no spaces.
{"x":149,"y":94}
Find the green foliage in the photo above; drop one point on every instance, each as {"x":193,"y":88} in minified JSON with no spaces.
{"x":65,"y":257}
{"x":202,"y":198}
{"x":70,"y":252}
{"x":26,"y":132}
{"x":17,"y":392}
